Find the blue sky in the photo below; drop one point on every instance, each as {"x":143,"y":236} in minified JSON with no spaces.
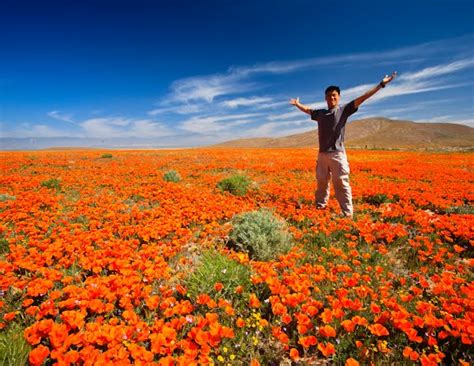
{"x":197,"y":72}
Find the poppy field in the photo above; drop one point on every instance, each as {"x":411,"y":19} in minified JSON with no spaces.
{"x":219,"y":257}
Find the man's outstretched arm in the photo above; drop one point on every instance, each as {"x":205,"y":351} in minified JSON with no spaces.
{"x":301,"y":107}
{"x":388,"y":78}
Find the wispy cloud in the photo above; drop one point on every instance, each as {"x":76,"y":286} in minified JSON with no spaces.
{"x":207,"y":88}
{"x":179,"y":109}
{"x":424,"y":80}
{"x":123,"y":127}
{"x":281,"y":128}
{"x":438,"y":70}
{"x":61,"y":116}
{"x":105,"y":127}
{"x":30,"y":130}
{"x":213,"y":124}
{"x":245,"y":102}
{"x":293,"y":112}
{"x":462,"y":119}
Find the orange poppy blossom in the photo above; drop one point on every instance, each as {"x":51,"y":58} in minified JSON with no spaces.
{"x":92,"y":256}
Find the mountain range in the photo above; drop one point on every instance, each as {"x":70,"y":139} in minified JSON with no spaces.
{"x":377,"y":133}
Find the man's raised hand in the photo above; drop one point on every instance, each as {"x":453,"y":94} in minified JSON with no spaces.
{"x":389,"y":78}
{"x":295,"y":101}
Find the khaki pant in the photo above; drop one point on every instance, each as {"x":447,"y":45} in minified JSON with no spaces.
{"x":334,"y":164}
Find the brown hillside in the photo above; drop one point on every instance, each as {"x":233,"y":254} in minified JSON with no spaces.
{"x":378,"y":133}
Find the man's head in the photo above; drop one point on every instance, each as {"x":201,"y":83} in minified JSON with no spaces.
{"x":333,"y":93}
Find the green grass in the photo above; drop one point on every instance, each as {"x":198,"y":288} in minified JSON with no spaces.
{"x":214,"y":267}
{"x":4,"y":246}
{"x":13,"y":347}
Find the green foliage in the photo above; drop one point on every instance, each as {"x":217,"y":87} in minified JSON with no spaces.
{"x":52,"y":183}
{"x":171,"y":176}
{"x":380,"y":198}
{"x":4,"y":246}
{"x":14,"y":349}
{"x":236,"y":185}
{"x":461,"y":210}
{"x":6,"y":197}
{"x":260,"y":234}
{"x":106,"y":156}
{"x":213,"y":268}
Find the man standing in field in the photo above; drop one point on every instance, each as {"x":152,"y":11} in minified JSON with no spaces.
{"x":332,"y":159}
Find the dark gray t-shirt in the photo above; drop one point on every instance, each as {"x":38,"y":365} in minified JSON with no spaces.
{"x":331,"y":126}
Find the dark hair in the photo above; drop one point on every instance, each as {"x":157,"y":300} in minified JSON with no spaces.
{"x":331,"y":88}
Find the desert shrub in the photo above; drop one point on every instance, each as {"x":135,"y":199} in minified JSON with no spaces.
{"x":171,"y":176}
{"x":6,"y":197}
{"x":260,"y":234}
{"x":52,"y":183}
{"x":214,"y":267}
{"x":107,"y":156}
{"x":236,"y":185}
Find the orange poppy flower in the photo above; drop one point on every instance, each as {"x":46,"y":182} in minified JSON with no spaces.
{"x":351,"y":362}
{"x":378,"y":330}
{"x":254,"y":302}
{"x":327,"y":349}
{"x":38,"y":355}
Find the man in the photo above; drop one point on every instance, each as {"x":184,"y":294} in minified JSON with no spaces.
{"x":332,"y":159}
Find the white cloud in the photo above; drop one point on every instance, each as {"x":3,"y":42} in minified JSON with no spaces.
{"x":424,"y":80}
{"x":61,"y":116}
{"x":295,"y":113}
{"x":206,"y":88}
{"x":403,"y":110}
{"x":246,"y":102}
{"x":458,"y":119}
{"x":285,"y":116}
{"x":438,"y":70}
{"x":101,"y":127}
{"x":25,"y":130}
{"x":147,"y":128}
{"x":274,"y":129}
{"x":179,"y":109}
{"x":213,"y":124}
{"x":123,"y":127}
{"x":272,"y":105}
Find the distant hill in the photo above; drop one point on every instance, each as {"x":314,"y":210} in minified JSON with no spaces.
{"x":381,"y":133}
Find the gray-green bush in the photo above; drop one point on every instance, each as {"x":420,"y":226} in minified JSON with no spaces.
{"x":171,"y":176}
{"x":261,"y":234}
{"x":6,"y":197}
